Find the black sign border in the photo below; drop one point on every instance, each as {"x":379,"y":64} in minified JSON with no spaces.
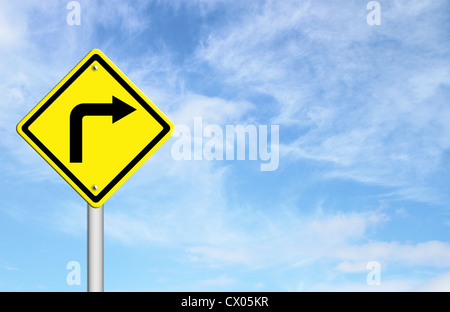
{"x":132,"y":92}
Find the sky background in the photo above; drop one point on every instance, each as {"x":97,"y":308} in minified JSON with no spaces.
{"x":364,"y":141}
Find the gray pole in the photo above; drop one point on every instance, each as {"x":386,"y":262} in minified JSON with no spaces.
{"x":95,"y":249}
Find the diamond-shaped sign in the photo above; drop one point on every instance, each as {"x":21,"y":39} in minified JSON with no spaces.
{"x":95,"y":128}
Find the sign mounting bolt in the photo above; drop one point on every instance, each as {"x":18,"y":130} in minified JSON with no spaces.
{"x":95,"y":67}
{"x":95,"y":187}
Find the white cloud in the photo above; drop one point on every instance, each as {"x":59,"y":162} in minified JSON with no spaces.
{"x":12,"y":26}
{"x":131,"y":230}
{"x":174,"y":198}
{"x":352,"y":267}
{"x":130,"y":17}
{"x":429,"y":253}
{"x":10,"y":267}
{"x":259,"y":285}
{"x":220,"y":281}
{"x":221,"y":235}
{"x":323,"y":240}
{"x":361,"y":104}
{"x":394,"y":285}
{"x":440,"y":283}
{"x":219,"y":254}
{"x":364,"y":105}
{"x":213,"y":110}
{"x":289,"y":239}
{"x":342,"y":227}
{"x":70,"y":218}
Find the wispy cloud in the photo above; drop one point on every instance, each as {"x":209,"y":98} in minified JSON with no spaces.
{"x":12,"y":29}
{"x":439,"y":283}
{"x":220,"y":281}
{"x":361,"y":103}
{"x":364,"y":103}
{"x":10,"y":268}
{"x":352,"y":267}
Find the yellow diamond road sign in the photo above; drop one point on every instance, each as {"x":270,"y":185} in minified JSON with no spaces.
{"x":95,"y":128}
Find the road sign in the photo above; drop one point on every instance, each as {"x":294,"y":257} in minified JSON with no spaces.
{"x":95,"y":128}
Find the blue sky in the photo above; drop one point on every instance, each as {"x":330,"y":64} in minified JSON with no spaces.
{"x":364,"y":143}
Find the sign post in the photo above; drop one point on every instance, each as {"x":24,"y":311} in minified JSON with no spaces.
{"x":95,"y":248}
{"x":95,"y":128}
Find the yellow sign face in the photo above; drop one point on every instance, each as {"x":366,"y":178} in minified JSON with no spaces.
{"x":95,"y":128}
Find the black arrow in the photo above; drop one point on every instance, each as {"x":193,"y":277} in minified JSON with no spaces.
{"x":117,"y":109}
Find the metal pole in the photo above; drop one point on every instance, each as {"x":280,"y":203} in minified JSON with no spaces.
{"x":95,"y":249}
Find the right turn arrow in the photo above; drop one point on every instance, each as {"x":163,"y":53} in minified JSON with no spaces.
{"x":117,"y":109}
